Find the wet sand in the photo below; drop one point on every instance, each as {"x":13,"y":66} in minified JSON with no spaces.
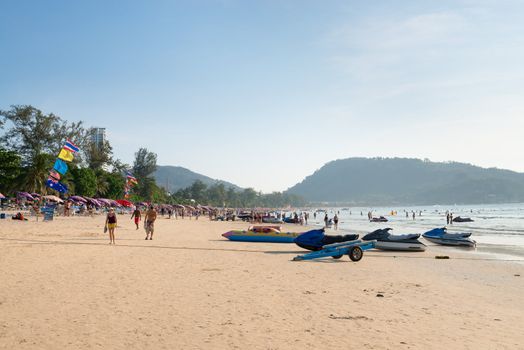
{"x":62,"y":286}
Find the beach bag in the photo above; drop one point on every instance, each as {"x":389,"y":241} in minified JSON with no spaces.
{"x":105,"y":228}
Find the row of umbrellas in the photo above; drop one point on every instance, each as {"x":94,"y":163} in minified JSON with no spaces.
{"x":105,"y":202}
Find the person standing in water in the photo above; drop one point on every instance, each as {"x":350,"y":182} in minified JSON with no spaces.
{"x":335,"y":221}
{"x":111,"y":225}
{"x":137,"y":215}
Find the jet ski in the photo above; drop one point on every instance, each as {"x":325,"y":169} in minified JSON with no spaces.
{"x":387,"y":241}
{"x":459,"y":219}
{"x":316,"y":239}
{"x":380,"y":219}
{"x":441,"y":236}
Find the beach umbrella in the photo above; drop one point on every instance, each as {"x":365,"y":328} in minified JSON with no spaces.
{"x":2,"y":196}
{"x":25,"y":195}
{"x":78,"y":199}
{"x":104,"y":202}
{"x":93,"y":201}
{"x":53,"y":198}
{"x":124,"y":203}
{"x":114,"y":203}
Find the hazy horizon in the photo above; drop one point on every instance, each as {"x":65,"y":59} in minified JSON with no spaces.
{"x":263,"y":93}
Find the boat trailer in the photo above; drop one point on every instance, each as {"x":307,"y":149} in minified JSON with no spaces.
{"x":354,"y":249}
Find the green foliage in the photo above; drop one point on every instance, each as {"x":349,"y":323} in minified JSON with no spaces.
{"x":143,"y":168}
{"x":9,"y":169}
{"x":85,"y":181}
{"x":37,"y":138}
{"x":115,"y":185}
{"x":217,"y":195}
{"x":34,"y":176}
{"x":403,"y":181}
{"x":174,"y":178}
{"x":33,"y":133}
{"x":98,"y":157}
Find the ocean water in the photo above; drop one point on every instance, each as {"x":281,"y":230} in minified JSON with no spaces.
{"x":497,"y":228}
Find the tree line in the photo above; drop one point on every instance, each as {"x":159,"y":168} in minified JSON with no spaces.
{"x":219,"y":196}
{"x":30,"y":140}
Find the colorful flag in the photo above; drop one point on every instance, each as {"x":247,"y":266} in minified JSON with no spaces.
{"x":131,"y":178}
{"x":55,"y":175}
{"x":71,"y":147}
{"x":57,"y":186}
{"x":66,"y":155}
{"x":60,"y":166}
{"x":52,"y":179}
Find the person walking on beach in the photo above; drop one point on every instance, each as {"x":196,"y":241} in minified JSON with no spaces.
{"x":326,"y":220}
{"x":149,"y":222}
{"x":335,"y":221}
{"x":111,"y":225}
{"x":137,"y":215}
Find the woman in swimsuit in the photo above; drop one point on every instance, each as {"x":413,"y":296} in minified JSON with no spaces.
{"x":111,"y":224}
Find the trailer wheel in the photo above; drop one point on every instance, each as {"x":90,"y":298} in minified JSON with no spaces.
{"x":355,"y":254}
{"x":336,"y":256}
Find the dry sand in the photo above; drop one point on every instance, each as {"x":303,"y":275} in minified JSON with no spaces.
{"x":63,"y":287}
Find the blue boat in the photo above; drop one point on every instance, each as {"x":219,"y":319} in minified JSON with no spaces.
{"x":316,"y":239}
{"x":269,"y":234}
{"x":441,"y":236}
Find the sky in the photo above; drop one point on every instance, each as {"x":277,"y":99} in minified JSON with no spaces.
{"x":263,"y":93}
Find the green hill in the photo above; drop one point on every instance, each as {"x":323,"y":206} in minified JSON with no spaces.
{"x":385,"y":181}
{"x":173,"y":178}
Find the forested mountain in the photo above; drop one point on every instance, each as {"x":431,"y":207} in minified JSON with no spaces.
{"x":384,"y":181}
{"x":173,"y":178}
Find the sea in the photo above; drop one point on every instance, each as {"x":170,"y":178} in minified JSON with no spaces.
{"x":498,"y":229}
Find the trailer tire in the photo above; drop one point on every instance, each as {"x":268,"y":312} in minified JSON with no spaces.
{"x":355,"y":254}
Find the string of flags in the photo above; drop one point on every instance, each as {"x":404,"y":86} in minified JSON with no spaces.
{"x":60,"y":168}
{"x":130,"y":182}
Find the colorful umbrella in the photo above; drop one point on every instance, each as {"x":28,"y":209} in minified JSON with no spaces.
{"x":53,"y":198}
{"x":114,"y":203}
{"x":2,"y":196}
{"x":104,"y":202}
{"x":124,"y":202}
{"x":78,"y":199}
{"x":25,"y":195}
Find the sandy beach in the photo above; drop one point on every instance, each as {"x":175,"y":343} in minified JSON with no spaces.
{"x":62,"y":286}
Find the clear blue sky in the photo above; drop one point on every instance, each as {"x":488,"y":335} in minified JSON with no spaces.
{"x":263,"y":93}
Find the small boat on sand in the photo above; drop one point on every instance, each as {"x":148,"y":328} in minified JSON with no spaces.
{"x":441,"y":236}
{"x":269,"y":233}
{"x":387,"y":241}
{"x":316,"y":239}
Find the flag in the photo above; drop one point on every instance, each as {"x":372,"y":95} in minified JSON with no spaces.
{"x":66,"y":155}
{"x":57,"y":186}
{"x":51,"y":179}
{"x":60,"y":166}
{"x":55,"y":175}
{"x":71,"y":147}
{"x":131,"y":178}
